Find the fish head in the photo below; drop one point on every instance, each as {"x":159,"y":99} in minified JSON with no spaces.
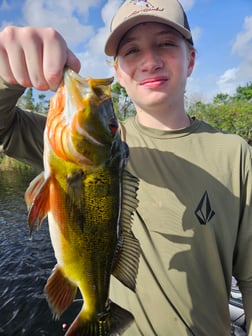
{"x":82,"y":125}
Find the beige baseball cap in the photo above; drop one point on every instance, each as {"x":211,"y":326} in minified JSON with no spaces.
{"x":133,"y":12}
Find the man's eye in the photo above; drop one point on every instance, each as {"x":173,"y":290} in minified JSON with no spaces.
{"x":131,"y":51}
{"x":167,"y":44}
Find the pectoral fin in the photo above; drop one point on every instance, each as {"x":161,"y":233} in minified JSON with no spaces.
{"x":128,"y":254}
{"x":37,"y":200}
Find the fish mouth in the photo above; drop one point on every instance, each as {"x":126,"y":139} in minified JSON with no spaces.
{"x":82,"y":91}
{"x":87,"y":86}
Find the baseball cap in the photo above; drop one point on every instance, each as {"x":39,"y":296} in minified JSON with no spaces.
{"x":133,"y":12}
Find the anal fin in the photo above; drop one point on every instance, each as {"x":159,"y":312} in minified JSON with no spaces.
{"x":60,"y":292}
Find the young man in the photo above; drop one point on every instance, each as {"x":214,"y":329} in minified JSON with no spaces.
{"x":194,"y":219}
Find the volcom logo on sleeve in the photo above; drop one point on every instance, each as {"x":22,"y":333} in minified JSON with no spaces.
{"x":204,"y":212}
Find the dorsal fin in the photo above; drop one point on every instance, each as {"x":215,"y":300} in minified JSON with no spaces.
{"x":127,"y":259}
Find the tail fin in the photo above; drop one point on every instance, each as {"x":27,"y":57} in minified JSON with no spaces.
{"x":112,"y":323}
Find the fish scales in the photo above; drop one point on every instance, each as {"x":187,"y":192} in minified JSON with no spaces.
{"x":82,"y":192}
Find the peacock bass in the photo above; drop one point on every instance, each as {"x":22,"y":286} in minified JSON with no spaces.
{"x":89,"y":198}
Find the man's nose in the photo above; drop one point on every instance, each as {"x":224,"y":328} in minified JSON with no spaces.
{"x":151,"y":61}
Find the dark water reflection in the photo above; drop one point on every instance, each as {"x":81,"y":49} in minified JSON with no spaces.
{"x":25,"y":265}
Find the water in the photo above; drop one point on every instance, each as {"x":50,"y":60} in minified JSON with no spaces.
{"x":25,"y":265}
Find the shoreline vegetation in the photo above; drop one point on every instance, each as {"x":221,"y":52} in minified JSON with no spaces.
{"x":9,"y":164}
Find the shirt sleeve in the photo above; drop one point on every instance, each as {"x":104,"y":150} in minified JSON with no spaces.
{"x":21,"y":132}
{"x":243,"y":254}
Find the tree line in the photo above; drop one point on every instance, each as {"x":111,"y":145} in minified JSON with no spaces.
{"x":230,"y":113}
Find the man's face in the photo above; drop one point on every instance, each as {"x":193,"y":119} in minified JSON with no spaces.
{"x":153,"y":64}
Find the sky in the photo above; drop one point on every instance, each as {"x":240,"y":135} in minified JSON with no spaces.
{"x":221,"y":30}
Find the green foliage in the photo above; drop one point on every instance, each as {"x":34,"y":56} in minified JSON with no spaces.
{"x":27,"y":102}
{"x":231,"y":114}
{"x":244,"y":93}
{"x":42,"y":106}
{"x":123,"y":105}
{"x":10,"y":164}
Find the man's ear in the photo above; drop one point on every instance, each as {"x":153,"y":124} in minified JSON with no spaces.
{"x":191,"y":61}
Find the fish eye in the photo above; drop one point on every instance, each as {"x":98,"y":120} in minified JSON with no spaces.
{"x":113,"y":125}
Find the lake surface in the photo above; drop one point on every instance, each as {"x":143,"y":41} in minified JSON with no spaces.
{"x":25,"y":265}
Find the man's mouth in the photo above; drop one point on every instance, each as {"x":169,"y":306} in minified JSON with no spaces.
{"x":153,"y":82}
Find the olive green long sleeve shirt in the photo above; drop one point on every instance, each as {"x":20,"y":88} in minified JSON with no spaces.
{"x":21,"y":132}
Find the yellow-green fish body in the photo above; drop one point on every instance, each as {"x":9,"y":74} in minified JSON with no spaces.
{"x":83,"y":190}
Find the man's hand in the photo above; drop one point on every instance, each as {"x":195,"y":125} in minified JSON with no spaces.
{"x":34,"y":57}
